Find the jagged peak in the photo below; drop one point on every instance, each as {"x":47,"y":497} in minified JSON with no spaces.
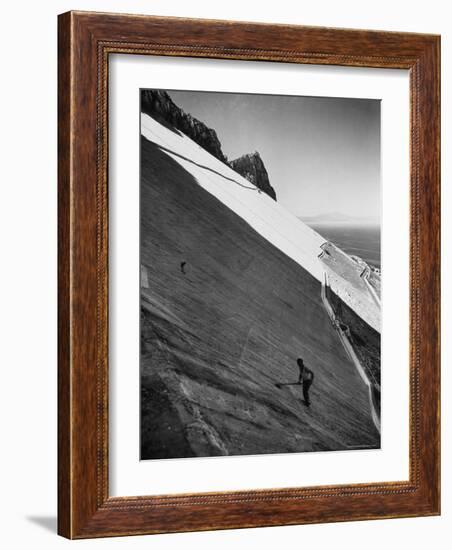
{"x":255,"y":154}
{"x":252,"y":167}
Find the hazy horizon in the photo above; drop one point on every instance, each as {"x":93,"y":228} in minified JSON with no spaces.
{"x":322,"y":155}
{"x":339,"y":218}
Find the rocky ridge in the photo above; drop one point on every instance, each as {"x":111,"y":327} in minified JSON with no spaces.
{"x":159,"y":105}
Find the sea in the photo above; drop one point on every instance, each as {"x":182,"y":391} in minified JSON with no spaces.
{"x":357,"y":240}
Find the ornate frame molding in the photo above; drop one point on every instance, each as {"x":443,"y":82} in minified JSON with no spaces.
{"x":85,"y":42}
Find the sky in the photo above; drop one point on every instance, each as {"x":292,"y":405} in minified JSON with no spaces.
{"x":322,"y":155}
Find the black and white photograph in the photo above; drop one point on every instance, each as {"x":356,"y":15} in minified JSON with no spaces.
{"x":224,"y":240}
{"x":260,"y":274}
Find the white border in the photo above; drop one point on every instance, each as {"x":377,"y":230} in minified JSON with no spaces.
{"x":129,"y":476}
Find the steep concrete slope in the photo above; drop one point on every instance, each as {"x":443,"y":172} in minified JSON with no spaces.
{"x":225,"y":314}
{"x":267,"y":217}
{"x":272,"y":221}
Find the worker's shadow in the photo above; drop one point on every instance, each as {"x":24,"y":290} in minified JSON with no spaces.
{"x":280,"y":385}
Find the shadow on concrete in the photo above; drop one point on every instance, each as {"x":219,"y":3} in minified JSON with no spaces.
{"x":280,"y":385}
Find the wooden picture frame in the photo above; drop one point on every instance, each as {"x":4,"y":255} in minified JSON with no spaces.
{"x":86,"y":40}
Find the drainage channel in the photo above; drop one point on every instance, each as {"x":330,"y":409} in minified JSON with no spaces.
{"x":345,"y":339}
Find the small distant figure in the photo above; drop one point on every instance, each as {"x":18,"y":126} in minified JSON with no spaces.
{"x":182,"y":267}
{"x":306,"y":377}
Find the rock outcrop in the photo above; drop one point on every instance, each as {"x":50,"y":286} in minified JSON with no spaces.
{"x":159,"y":105}
{"x":252,"y":168}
